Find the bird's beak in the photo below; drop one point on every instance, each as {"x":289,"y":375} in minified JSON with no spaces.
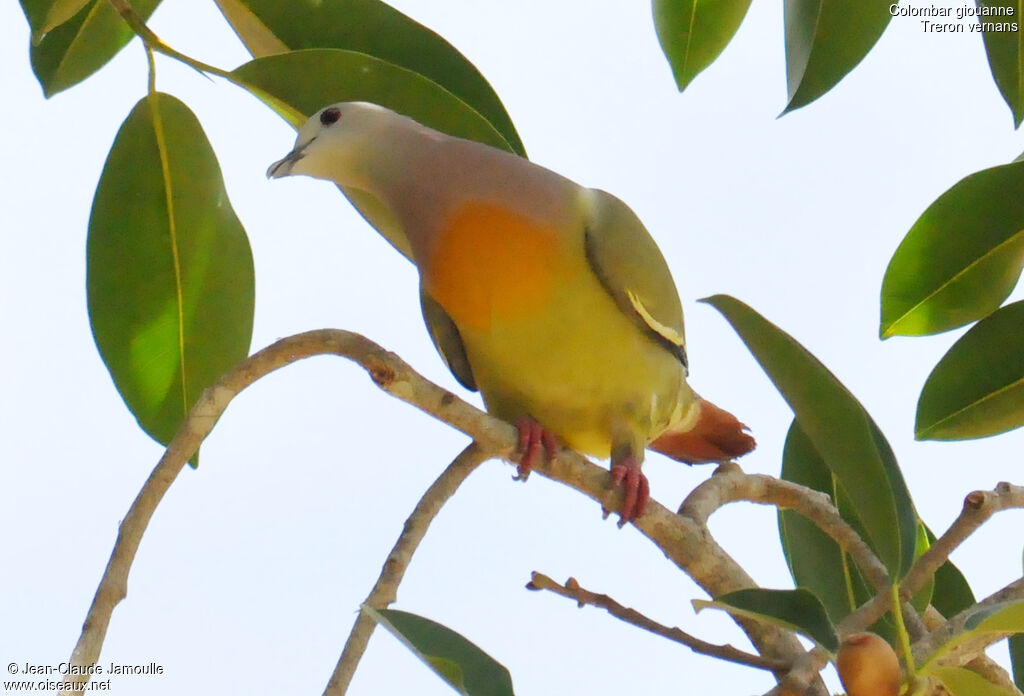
{"x":283,"y":167}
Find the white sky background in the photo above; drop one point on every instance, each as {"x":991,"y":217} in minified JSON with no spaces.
{"x":250,"y":574}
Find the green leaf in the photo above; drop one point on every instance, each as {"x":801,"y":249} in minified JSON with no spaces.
{"x":309,"y":80}
{"x":862,"y":590}
{"x":462,"y":664}
{"x":169,"y":269}
{"x":60,"y":11}
{"x":1016,"y":645}
{"x":841,"y":431}
{"x":1005,"y":56}
{"x":371,"y":27}
{"x":960,"y":681}
{"x":794,"y":610}
{"x":826,"y":39}
{"x":1005,"y":618}
{"x":815,"y":560}
{"x":923,"y":598}
{"x":1017,"y":659}
{"x":977,"y":389}
{"x":952,"y":593}
{"x":693,"y":33}
{"x":961,"y":258}
{"x":80,"y":46}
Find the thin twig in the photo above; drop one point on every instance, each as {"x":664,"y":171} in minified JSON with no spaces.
{"x":385,"y":590}
{"x":931,"y":647}
{"x":731,"y":484}
{"x":803,"y":675}
{"x":572,"y":590}
{"x":978,"y":507}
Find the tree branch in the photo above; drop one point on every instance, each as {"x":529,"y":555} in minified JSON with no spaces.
{"x":385,"y":590}
{"x":731,"y":484}
{"x":802,"y":677}
{"x":572,"y":590}
{"x":962,"y":654}
{"x":979,"y":506}
{"x":684,"y":541}
{"x":387,"y":370}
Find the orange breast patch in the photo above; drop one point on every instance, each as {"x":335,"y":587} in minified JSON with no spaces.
{"x":491,"y":263}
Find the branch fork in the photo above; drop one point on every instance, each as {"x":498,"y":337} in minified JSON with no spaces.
{"x":683,"y":538}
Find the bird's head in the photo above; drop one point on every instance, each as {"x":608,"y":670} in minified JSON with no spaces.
{"x":334,"y":142}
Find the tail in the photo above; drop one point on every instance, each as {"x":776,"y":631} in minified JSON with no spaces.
{"x":715,"y":436}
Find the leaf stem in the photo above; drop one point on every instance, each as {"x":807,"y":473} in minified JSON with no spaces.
{"x":153,"y":43}
{"x":901,"y":630}
{"x":152,"y":68}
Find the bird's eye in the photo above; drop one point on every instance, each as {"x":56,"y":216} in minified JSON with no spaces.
{"x":329,"y":116}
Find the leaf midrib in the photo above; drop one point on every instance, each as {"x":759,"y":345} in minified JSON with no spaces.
{"x":165,"y":169}
{"x":952,"y":279}
{"x":1019,"y":382}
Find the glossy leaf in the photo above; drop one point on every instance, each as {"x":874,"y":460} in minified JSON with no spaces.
{"x":923,"y":598}
{"x":79,"y":46}
{"x":960,"y":681}
{"x":1005,"y":53}
{"x":169,"y":269}
{"x":862,"y":590}
{"x":467,"y":668}
{"x":1016,"y":644}
{"x":961,"y":258}
{"x":308,"y":80}
{"x":826,"y":39}
{"x":795,"y":610}
{"x":373,"y":28}
{"x":977,"y":389}
{"x":693,"y":33}
{"x":815,"y":560}
{"x":841,"y":431}
{"x":59,"y":12}
{"x":1017,"y":659}
{"x":1006,"y":618}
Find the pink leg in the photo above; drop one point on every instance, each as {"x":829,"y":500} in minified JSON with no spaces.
{"x":532,"y":439}
{"x":627,"y":473}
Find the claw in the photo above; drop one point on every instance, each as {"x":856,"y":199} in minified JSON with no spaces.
{"x":532,"y":439}
{"x":627,"y":473}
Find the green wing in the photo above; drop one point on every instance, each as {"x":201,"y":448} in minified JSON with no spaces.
{"x":442,"y":329}
{"x":630,"y":266}
{"x":447,"y":340}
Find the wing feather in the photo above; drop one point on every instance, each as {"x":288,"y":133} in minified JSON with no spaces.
{"x":630,"y":266}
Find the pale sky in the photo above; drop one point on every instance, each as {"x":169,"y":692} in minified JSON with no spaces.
{"x":253,"y":567}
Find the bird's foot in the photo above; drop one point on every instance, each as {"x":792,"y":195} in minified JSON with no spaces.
{"x":627,"y":474}
{"x":533,"y":438}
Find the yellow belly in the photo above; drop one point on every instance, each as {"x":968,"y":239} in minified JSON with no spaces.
{"x":544,"y":338}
